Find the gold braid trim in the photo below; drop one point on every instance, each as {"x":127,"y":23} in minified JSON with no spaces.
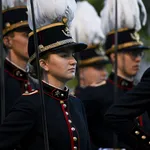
{"x":46,"y":27}
{"x":91,"y":60}
{"x":121,"y":46}
{"x":14,"y":8}
{"x":48,"y":47}
{"x":14,"y":26}
{"x":119,"y":30}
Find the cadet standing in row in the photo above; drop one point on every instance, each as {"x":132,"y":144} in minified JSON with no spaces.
{"x":15,"y":40}
{"x":66,"y":119}
{"x":130,"y":51}
{"x":92,"y":61}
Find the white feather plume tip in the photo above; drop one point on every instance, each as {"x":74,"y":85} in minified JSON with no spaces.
{"x":129,"y":15}
{"x":13,"y":3}
{"x":86,"y":25}
{"x":51,"y":11}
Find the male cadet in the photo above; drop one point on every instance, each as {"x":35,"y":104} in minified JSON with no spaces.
{"x":86,"y":27}
{"x":130,"y":51}
{"x":15,"y":40}
{"x":92,"y":65}
{"x":92,"y":61}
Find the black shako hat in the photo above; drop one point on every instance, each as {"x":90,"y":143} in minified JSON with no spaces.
{"x":128,"y":39}
{"x":52,"y":37}
{"x":15,"y":18}
{"x":93,"y":56}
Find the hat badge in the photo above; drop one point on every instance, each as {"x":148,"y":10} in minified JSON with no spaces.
{"x":66,"y":32}
{"x":7,"y":25}
{"x":135,"y":36}
{"x":41,"y":47}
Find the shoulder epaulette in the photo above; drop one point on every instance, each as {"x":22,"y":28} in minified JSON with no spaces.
{"x":31,"y":93}
{"x":98,"y":84}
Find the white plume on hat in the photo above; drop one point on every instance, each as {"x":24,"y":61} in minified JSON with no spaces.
{"x":129,"y":15}
{"x":51,"y":11}
{"x":86,"y":25}
{"x":13,"y":3}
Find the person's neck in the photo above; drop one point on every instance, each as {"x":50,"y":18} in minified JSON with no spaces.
{"x":17,"y":61}
{"x":128,"y":78}
{"x":54,"y":82}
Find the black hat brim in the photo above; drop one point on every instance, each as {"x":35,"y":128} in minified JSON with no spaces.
{"x":138,"y":47}
{"x":23,"y":28}
{"x":97,"y":64}
{"x":76,"y":47}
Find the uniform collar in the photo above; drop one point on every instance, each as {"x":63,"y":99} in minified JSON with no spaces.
{"x":15,"y":71}
{"x":122,"y":83}
{"x":55,"y":93}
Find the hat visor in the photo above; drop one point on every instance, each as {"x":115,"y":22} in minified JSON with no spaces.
{"x":15,"y":27}
{"x":24,"y":28}
{"x":138,"y":47}
{"x":101,"y":62}
{"x":96,"y":64}
{"x":76,"y":47}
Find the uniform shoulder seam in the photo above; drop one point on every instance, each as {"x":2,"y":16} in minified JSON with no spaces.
{"x":31,"y":93}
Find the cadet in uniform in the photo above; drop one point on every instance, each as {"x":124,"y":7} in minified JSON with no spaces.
{"x":15,"y":40}
{"x":120,"y":117}
{"x":92,"y":69}
{"x":66,"y":119}
{"x":92,"y":61}
{"x":130,"y":51}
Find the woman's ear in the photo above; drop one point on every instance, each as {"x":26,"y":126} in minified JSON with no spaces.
{"x":43,"y":64}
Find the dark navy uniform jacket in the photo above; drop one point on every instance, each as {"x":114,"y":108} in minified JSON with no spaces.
{"x":16,"y":83}
{"x":121,"y":115}
{"x":66,"y":121}
{"x":96,"y":101}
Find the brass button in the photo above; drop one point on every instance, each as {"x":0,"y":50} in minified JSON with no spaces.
{"x":62,"y":95}
{"x":75,"y":138}
{"x":143,"y":137}
{"x":67,"y":113}
{"x":75,"y":148}
{"x":73,"y":129}
{"x":7,"y":25}
{"x":17,"y":73}
{"x":69,"y":121}
{"x":137,"y":132}
{"x":64,"y":105}
{"x":61,"y":102}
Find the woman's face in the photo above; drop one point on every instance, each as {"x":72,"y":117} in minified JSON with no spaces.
{"x":60,"y":65}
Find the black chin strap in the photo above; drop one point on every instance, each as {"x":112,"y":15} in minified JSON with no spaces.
{"x":44,"y":120}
